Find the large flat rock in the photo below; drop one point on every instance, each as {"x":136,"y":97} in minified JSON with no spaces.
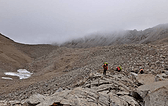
{"x":155,"y":94}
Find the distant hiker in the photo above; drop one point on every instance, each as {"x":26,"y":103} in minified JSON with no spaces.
{"x":141,"y":71}
{"x":105,"y":66}
{"x":119,"y":68}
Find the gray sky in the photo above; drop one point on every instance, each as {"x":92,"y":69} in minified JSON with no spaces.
{"x":47,"y":21}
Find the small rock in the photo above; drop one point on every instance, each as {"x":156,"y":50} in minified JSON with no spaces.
{"x":166,"y":67}
{"x":59,"y":90}
{"x":122,"y":93}
{"x":166,"y":72}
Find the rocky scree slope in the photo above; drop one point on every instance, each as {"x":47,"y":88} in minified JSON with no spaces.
{"x":64,"y":67}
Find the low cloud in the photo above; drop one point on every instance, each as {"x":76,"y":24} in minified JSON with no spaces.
{"x":51,"y":21}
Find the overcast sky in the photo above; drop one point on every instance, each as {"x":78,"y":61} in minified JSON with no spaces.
{"x":48,"y":21}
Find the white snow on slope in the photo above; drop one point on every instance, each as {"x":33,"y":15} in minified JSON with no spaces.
{"x":21,"y":73}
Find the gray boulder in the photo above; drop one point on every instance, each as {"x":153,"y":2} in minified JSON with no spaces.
{"x":154,"y":94}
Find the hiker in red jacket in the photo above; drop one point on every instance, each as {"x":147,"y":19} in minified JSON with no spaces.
{"x":119,"y":68}
{"x":105,"y":66}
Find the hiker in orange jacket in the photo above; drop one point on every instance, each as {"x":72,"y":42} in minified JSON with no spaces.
{"x":141,"y":71}
{"x":105,"y":66}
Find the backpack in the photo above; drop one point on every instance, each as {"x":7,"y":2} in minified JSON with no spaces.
{"x":106,"y":63}
{"x":120,"y":67}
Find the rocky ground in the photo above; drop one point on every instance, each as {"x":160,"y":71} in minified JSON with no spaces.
{"x":74,"y":76}
{"x":114,"y":89}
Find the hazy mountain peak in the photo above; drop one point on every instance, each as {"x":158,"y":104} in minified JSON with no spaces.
{"x":149,"y":35}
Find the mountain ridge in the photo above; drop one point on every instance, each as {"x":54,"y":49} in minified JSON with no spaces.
{"x":146,"y":36}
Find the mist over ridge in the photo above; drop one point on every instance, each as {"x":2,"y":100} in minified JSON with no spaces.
{"x":149,"y":35}
{"x":46,"y":22}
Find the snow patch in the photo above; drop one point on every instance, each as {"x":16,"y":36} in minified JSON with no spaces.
{"x":134,"y":74}
{"x":21,"y":73}
{"x":7,"y":78}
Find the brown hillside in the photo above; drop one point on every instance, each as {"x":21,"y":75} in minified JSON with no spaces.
{"x":10,"y":57}
{"x":36,"y":51}
{"x":4,"y":39}
{"x":15,"y":55}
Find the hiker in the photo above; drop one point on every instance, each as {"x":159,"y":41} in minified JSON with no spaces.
{"x":105,"y":66}
{"x":141,"y":71}
{"x":119,"y":68}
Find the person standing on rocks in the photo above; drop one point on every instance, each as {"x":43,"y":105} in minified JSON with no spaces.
{"x":105,"y":66}
{"x":119,"y":68}
{"x":141,"y":71}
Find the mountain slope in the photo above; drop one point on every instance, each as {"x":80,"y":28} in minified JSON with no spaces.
{"x":156,"y":33}
{"x":14,"y":55}
{"x":65,"y":66}
{"x":56,"y":67}
{"x":10,"y":57}
{"x":150,"y":35}
{"x":36,"y":51}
